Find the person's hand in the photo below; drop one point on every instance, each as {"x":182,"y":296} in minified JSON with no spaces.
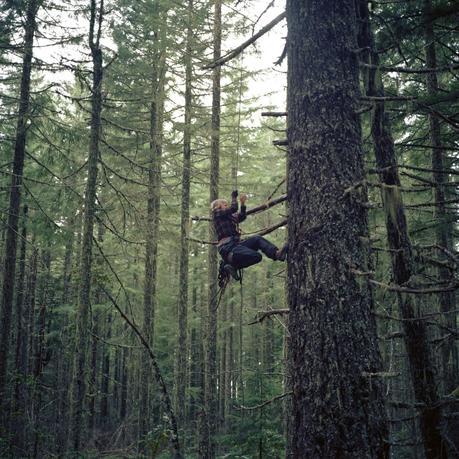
{"x":234,"y":194}
{"x":243,"y":198}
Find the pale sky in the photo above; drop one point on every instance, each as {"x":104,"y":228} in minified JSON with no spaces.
{"x":269,"y":84}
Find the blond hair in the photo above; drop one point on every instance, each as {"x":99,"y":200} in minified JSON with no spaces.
{"x":217,"y":204}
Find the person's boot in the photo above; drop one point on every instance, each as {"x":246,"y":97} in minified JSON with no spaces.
{"x":231,"y":270}
{"x":281,"y":254}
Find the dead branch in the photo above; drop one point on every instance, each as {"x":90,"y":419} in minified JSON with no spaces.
{"x":235,"y":52}
{"x":276,"y":189}
{"x":267,"y":402}
{"x":388,"y":98}
{"x":267,"y":205}
{"x":384,"y":68}
{"x":411,"y":319}
{"x":274,"y":114}
{"x":265,"y":314}
{"x":159,"y":378}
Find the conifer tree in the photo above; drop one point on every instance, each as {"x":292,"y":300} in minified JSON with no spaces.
{"x":337,"y":403}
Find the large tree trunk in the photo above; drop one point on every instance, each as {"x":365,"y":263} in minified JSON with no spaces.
{"x":9,"y":265}
{"x":211,"y":370}
{"x":184,"y":222}
{"x":444,"y":226}
{"x":420,"y":355}
{"x":78,"y":392}
{"x":337,"y":406}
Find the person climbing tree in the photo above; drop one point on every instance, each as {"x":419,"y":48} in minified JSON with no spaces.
{"x":237,"y":253}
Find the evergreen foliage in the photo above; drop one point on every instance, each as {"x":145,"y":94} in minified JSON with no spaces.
{"x":123,"y":409}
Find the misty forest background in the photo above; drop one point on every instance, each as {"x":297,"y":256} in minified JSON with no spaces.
{"x":117,"y":131}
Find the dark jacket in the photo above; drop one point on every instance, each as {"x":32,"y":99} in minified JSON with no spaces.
{"x":226,"y":220}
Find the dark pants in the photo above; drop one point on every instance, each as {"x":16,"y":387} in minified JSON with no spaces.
{"x":245,"y":253}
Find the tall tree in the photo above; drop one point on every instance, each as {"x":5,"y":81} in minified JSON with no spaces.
{"x":78,"y":393}
{"x":337,"y":402}
{"x":420,"y":355}
{"x":443,"y":227}
{"x":184,"y":222}
{"x":153,"y":209}
{"x":9,"y":264}
{"x":211,"y":370}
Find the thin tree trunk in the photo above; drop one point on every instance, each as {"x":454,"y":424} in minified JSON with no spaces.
{"x":443,"y":227}
{"x":153,"y":214}
{"x":184,"y":222}
{"x":203,"y":426}
{"x":93,"y":375}
{"x":79,"y":389}
{"x":268,"y":338}
{"x":21,"y":333}
{"x":211,"y":370}
{"x":105,"y":378}
{"x":337,"y":407}
{"x":195,"y":353}
{"x":39,"y":354}
{"x":231,"y":380}
{"x":31,"y":292}
{"x":241,"y":387}
{"x":69,"y":247}
{"x":71,"y":264}
{"x":124,"y":384}
{"x":420,"y":355}
{"x":9,"y":266}
{"x":223,"y":367}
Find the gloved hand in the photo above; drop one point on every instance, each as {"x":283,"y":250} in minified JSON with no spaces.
{"x":234,"y":194}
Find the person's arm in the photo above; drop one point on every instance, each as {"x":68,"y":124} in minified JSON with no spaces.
{"x":241,"y":216}
{"x":230,"y":210}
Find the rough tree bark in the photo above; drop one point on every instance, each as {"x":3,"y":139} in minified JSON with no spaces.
{"x":420,"y":356}
{"x":78,"y":389}
{"x":337,"y":407}
{"x":9,"y":263}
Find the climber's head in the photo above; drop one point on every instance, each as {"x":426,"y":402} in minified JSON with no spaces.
{"x":219,"y":204}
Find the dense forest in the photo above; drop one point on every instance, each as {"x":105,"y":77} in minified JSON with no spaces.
{"x":122,"y":121}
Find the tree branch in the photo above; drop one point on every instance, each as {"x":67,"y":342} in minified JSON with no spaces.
{"x":267,"y":402}
{"x":235,"y":52}
{"x":265,"y":314}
